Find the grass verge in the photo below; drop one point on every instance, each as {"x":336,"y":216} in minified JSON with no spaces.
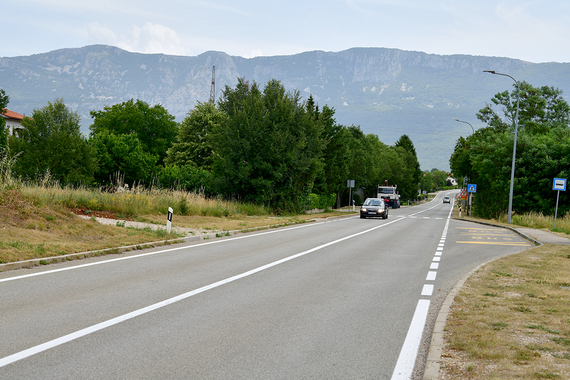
{"x":36,"y":224}
{"x":511,"y":319}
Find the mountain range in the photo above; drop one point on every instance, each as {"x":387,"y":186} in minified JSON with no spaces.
{"x":388,"y":92}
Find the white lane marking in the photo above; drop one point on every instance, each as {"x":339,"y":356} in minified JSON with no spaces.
{"x":111,"y":322}
{"x":427,"y":209}
{"x":407,"y":359}
{"x":438,"y":253}
{"x":158,"y":252}
{"x":427,"y":290}
{"x":437,"y":259}
{"x":434,"y":266}
{"x":431,"y":275}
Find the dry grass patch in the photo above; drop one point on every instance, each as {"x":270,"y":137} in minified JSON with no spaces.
{"x":511,"y":320}
{"x":31,"y":229}
{"x":235,"y":223}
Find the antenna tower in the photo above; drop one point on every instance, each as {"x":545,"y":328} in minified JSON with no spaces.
{"x":213,"y":88}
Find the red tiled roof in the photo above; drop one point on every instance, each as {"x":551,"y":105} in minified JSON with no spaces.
{"x":12,"y":114}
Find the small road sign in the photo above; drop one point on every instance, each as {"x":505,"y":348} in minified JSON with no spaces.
{"x":559,"y":184}
{"x":472,"y":188}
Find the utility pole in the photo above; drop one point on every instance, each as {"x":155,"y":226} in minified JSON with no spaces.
{"x":213,"y":88}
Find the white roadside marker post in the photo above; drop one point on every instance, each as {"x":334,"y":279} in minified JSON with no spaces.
{"x":169,"y":220}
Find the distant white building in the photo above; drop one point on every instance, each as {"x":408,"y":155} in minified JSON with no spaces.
{"x":451,"y":181}
{"x":13,"y":121}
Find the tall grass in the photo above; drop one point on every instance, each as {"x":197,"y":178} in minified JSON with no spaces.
{"x":539,"y":220}
{"x":139,"y":201}
{"x":7,"y":179}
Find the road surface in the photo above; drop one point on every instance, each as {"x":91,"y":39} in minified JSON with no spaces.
{"x":346,"y":298}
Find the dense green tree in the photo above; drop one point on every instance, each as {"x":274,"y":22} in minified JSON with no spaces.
{"x":52,"y":141}
{"x":413,"y":173}
{"x":4,"y":99}
{"x":153,"y":126}
{"x":121,"y":154}
{"x":186,"y":178}
{"x":193,"y":144}
{"x":336,"y":156}
{"x":270,"y":149}
{"x":542,"y":152}
{"x":540,"y":109}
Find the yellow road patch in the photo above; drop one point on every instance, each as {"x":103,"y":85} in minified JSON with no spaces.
{"x":483,"y":236}
{"x":494,"y":243}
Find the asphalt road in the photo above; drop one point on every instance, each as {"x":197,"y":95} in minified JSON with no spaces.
{"x":346,"y":298}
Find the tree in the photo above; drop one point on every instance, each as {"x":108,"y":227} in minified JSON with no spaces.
{"x":153,"y":126}
{"x":4,"y":99}
{"x":124,"y":154}
{"x":540,"y":109}
{"x":193,"y":144}
{"x":413,"y":173}
{"x":270,"y":149}
{"x":542,"y":147}
{"x":52,"y":141}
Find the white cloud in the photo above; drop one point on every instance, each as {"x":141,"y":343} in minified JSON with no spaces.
{"x":101,"y":34}
{"x":150,"y":38}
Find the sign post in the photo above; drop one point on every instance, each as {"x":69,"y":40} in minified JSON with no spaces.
{"x":169,"y":220}
{"x":350,"y":184}
{"x":559,"y":184}
{"x":471,"y":188}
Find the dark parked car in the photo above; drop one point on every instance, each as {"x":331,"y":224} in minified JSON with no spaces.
{"x":446,"y":199}
{"x":374,"y":207}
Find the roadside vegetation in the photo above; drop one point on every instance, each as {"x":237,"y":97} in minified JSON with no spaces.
{"x":511,"y":319}
{"x":40,"y":221}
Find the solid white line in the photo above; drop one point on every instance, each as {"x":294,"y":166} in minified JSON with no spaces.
{"x":407,"y":359}
{"x":100,"y":326}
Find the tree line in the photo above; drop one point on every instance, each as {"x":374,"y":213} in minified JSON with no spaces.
{"x":257,"y":144}
{"x":542,"y":152}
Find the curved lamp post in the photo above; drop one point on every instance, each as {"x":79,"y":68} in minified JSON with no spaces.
{"x":515,"y":143}
{"x":461,"y":121}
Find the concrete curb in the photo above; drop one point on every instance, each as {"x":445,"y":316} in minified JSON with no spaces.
{"x":433,"y":362}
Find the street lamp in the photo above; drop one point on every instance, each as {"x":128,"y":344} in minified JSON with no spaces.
{"x":461,"y":121}
{"x":515,"y":143}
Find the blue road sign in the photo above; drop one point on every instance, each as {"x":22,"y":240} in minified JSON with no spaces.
{"x":472,"y":188}
{"x":559,"y":184}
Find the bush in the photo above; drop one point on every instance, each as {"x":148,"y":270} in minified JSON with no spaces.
{"x":321,"y":201}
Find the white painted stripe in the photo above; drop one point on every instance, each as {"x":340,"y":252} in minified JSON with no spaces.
{"x":438,"y":253}
{"x":431,"y":275}
{"x":440,"y":248}
{"x":434,"y":266}
{"x":111,"y":322}
{"x":409,"y":352}
{"x":437,"y":259}
{"x":427,"y":290}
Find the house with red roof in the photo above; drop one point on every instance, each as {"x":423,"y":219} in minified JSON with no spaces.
{"x":13,"y":121}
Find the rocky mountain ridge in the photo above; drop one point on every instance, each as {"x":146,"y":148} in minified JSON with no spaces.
{"x":388,"y":92}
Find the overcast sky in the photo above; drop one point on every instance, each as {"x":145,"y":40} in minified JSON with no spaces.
{"x":535,"y":31}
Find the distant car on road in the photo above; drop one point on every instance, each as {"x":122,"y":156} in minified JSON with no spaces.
{"x":374,"y":207}
{"x":446,"y":199}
